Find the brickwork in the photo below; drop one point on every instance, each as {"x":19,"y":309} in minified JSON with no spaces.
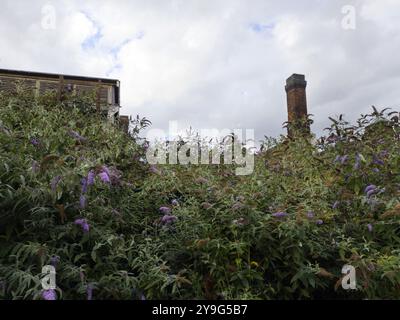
{"x":296,"y":99}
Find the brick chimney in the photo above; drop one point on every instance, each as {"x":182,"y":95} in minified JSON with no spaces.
{"x":296,"y":100}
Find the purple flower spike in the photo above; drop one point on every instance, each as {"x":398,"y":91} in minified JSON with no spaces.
{"x":104,"y":177}
{"x":175,"y":203}
{"x":35,"y":142}
{"x":167,"y":219}
{"x":85,"y":227}
{"x":79,"y":221}
{"x":369,"y":226}
{"x":82,"y":202}
{"x":89,"y":291}
{"x":49,"y":294}
{"x":153,"y":169}
{"x":357,"y":164}
{"x":90,"y":178}
{"x":106,"y":170}
{"x":335,"y":205}
{"x":55,"y":182}
{"x":319,"y":222}
{"x":378,"y":161}
{"x":344,"y":159}
{"x":370,"y":187}
{"x":165,"y":210}
{"x":83,"y":223}
{"x":84,"y":185}
{"x":384,"y":153}
{"x":370,"y":193}
{"x":279,"y":214}
{"x":76,"y":136}
{"x":54,"y":260}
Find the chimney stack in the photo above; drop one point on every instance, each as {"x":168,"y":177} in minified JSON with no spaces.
{"x":296,"y":101}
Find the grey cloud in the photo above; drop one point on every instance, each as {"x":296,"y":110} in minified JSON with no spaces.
{"x":204,"y":63}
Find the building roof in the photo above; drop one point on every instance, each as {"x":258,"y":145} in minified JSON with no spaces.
{"x":56,"y":76}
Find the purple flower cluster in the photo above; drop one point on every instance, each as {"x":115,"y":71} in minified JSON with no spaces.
{"x":82,"y":201}
{"x":54,"y":260}
{"x":280,"y":215}
{"x":83,"y":223}
{"x":104,"y":174}
{"x":90,"y":178}
{"x":154,"y":169}
{"x":49,"y":294}
{"x":370,"y":227}
{"x":378,"y":161}
{"x":35,"y":142}
{"x":84,"y":185}
{"x":76,"y":136}
{"x":311,"y":215}
{"x":104,"y":177}
{"x":165,"y":210}
{"x":383,"y":153}
{"x":55,"y":182}
{"x":342,"y":159}
{"x":357,"y":164}
{"x":372,"y":190}
{"x":110,"y":175}
{"x":168,"y":219}
{"x":89,"y":291}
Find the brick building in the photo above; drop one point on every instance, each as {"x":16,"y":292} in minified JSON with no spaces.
{"x":106,"y":91}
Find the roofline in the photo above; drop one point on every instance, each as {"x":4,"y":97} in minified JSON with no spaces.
{"x":57,"y":76}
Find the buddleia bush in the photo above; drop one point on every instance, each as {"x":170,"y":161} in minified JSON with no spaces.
{"x":77,"y":193}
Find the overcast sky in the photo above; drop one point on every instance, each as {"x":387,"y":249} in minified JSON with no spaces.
{"x":215,"y":64}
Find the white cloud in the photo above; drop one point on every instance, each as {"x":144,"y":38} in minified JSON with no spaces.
{"x":215,"y":64}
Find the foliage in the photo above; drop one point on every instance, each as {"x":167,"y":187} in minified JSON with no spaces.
{"x":225,"y":240}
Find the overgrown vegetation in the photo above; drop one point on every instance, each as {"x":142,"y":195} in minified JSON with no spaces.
{"x":76,"y":193}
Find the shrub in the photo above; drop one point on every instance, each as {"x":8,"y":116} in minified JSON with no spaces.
{"x":76,"y":192}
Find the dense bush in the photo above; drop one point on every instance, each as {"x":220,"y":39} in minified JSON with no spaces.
{"x":76,"y":192}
